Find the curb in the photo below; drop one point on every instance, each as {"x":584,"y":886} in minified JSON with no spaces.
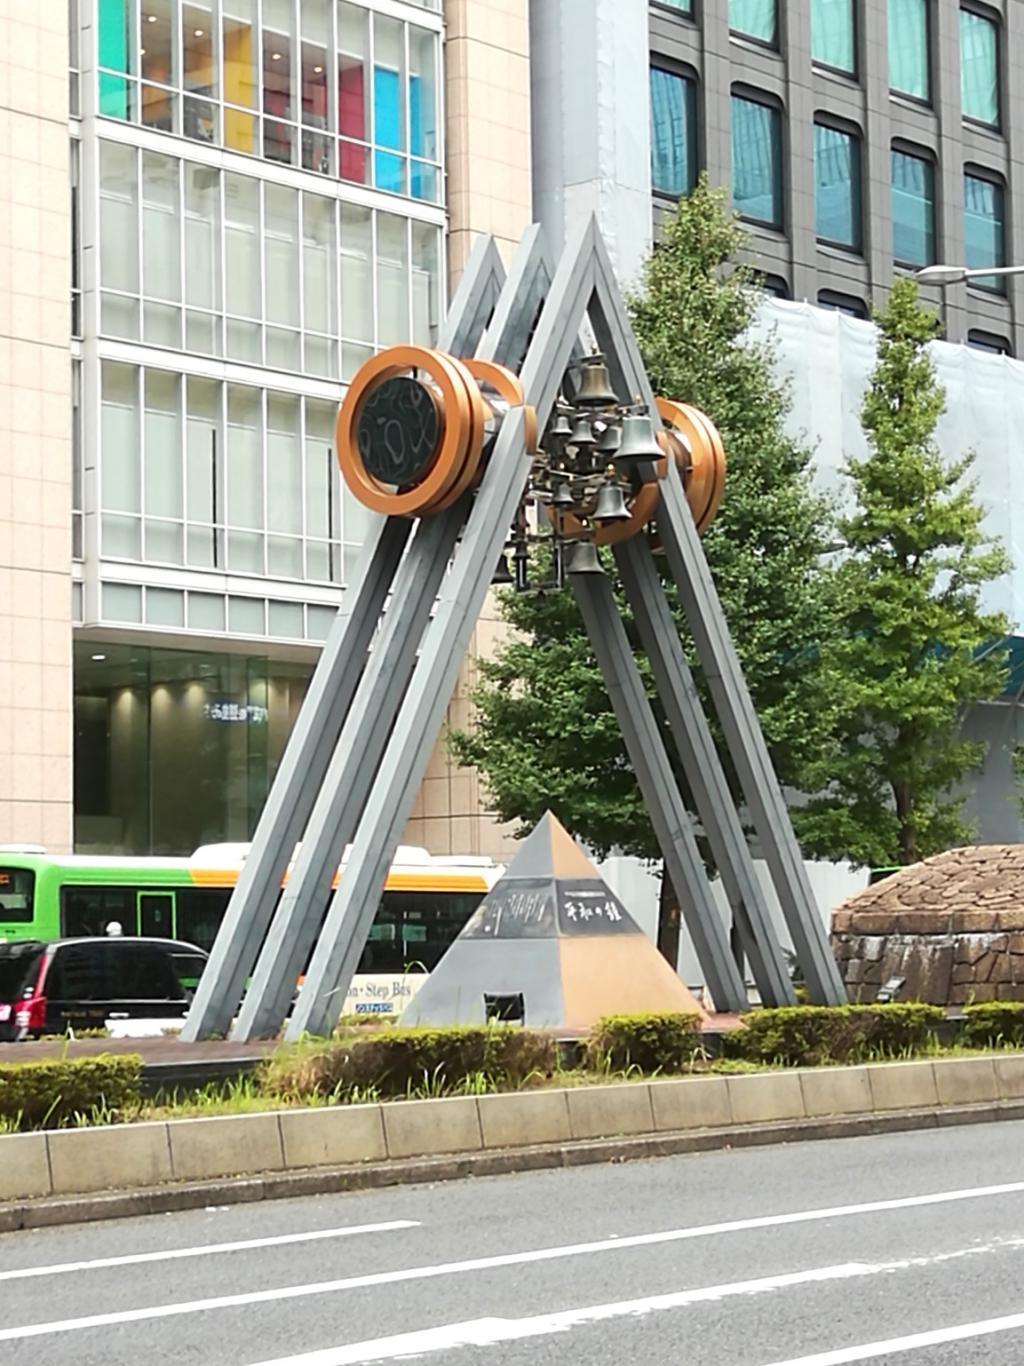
{"x":45,"y":1213}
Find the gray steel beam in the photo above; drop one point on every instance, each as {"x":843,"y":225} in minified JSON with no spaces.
{"x":332,"y":688}
{"x":664,"y":804}
{"x":703,"y":769}
{"x":349,"y":777}
{"x":354,"y":904}
{"x":342,"y":796}
{"x":296,"y":784}
{"x":745,"y":739}
{"x":721,"y":667}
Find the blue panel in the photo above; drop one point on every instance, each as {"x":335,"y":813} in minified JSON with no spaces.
{"x":913,"y":210}
{"x":755,"y":18}
{"x":983,"y":228}
{"x":837,"y":202}
{"x":908,"y":48}
{"x":387,"y":109}
{"x":979,"y":67}
{"x":757,"y":161}
{"x":673,"y":133}
{"x":832,"y":34}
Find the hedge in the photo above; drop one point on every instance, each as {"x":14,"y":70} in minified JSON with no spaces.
{"x":659,"y":1041}
{"x":400,"y":1062}
{"x":992,"y":1023}
{"x":49,"y":1093}
{"x":806,"y":1036}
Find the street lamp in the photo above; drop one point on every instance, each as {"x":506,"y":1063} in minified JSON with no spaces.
{"x":955,"y":275}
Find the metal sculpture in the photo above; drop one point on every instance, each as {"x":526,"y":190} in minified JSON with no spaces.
{"x":443,"y":445}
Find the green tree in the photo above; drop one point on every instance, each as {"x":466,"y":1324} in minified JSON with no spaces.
{"x":545,"y":735}
{"x":917,"y":647}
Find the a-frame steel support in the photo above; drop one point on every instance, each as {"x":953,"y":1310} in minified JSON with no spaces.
{"x":377,"y":701}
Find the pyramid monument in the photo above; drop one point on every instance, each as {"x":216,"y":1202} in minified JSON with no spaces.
{"x":552,"y":931}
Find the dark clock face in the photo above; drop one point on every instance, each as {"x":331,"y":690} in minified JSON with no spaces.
{"x":398,"y":431}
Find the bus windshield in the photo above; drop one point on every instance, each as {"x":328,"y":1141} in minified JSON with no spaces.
{"x":17,"y":887}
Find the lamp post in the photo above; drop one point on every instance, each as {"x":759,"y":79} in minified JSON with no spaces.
{"x":955,"y":275}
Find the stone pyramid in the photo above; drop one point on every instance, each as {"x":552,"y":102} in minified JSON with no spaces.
{"x":553,"y":931}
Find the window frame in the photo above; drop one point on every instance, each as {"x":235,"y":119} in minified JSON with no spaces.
{"x":922,"y":101}
{"x":850,"y":305}
{"x":925,"y":155}
{"x":822,"y":119}
{"x":766,"y":101}
{"x":848,"y":73}
{"x":688,"y":76}
{"x":767,"y":44}
{"x":992,"y":343}
{"x":971,"y":171}
{"x":995,"y":19}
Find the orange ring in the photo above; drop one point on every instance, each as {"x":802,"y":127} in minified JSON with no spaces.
{"x":470,"y":469}
{"x":706,"y":479}
{"x":462,"y":424}
{"x":508,"y":384}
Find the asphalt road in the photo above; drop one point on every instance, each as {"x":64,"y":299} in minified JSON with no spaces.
{"x":906,"y":1248}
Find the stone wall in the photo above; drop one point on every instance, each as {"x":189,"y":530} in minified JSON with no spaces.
{"x":951,"y":926}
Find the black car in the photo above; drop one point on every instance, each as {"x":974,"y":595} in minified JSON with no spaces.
{"x":48,"y":988}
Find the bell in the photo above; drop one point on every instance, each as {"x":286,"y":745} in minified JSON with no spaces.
{"x":582,"y":434}
{"x":560,"y":427}
{"x":638,"y":443}
{"x":595,"y":391}
{"x":611,"y":506}
{"x":584,"y":559}
{"x":502,"y":575}
{"x":563,"y":499}
{"x":611,"y":438}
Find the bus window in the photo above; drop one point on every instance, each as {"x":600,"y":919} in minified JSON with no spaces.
{"x":200,"y":911}
{"x":17,"y":891}
{"x":89,"y":910}
{"x":413,"y":929}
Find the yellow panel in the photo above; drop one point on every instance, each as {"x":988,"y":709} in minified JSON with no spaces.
{"x":617,"y":974}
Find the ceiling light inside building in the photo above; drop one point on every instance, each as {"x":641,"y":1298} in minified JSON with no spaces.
{"x":150,"y":18}
{"x":99,"y":656}
{"x":318,"y":69}
{"x":199,"y":32}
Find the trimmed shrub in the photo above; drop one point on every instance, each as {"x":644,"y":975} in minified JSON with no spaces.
{"x":49,"y":1093}
{"x":658,"y":1041}
{"x":399,"y":1062}
{"x":806,"y":1036}
{"x":992,"y":1023}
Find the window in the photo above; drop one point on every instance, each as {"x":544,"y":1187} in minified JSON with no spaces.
{"x":776,"y":286}
{"x":673,"y":133}
{"x":685,"y":5}
{"x":842,"y":303}
{"x":913,"y":209}
{"x":989,"y":341}
{"x":17,"y":890}
{"x":832,"y":34}
{"x":86,"y":911}
{"x":984,"y":233}
{"x":837,"y":198}
{"x":291,"y":82}
{"x":757,"y":161}
{"x":908,"y":48}
{"x":754,"y":19}
{"x":979,"y":67}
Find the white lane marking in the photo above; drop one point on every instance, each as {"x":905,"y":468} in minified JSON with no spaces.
{"x":544,"y":1254}
{"x":207,"y":1250}
{"x":935,"y":1338}
{"x":491,"y":1332}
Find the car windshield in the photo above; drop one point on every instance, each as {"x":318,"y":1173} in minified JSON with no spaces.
{"x":18,"y":964}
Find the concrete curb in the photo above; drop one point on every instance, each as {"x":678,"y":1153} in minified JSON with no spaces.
{"x":44,"y":1213}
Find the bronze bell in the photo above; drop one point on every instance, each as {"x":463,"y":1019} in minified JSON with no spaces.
{"x":502,"y":576}
{"x":638,"y":443}
{"x":563,"y":499}
{"x":611,"y":438}
{"x":611,"y":505}
{"x":595,"y":390}
{"x":560,"y":427}
{"x":584,"y":559}
{"x":582,"y":435}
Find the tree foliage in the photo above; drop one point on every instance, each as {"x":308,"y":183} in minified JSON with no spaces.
{"x":917,"y":648}
{"x":545,"y":735}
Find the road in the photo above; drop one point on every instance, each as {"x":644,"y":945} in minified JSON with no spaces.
{"x":904,"y":1248}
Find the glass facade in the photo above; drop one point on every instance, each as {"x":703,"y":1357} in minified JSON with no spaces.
{"x":979,"y":67}
{"x":837,"y":187}
{"x":913,"y":209}
{"x":673,"y":132}
{"x":221,"y":264}
{"x":211,"y":475}
{"x":984,"y":229}
{"x":757,"y":161}
{"x":175,"y":748}
{"x":685,"y":5}
{"x":908,"y":48}
{"x":754,"y":19}
{"x":332,"y":87}
{"x":833,"y":41}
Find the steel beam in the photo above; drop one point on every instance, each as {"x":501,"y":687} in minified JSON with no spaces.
{"x":445,"y":642}
{"x":745,"y":740}
{"x":659,"y":788}
{"x":333,"y":685}
{"x":703,"y":769}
